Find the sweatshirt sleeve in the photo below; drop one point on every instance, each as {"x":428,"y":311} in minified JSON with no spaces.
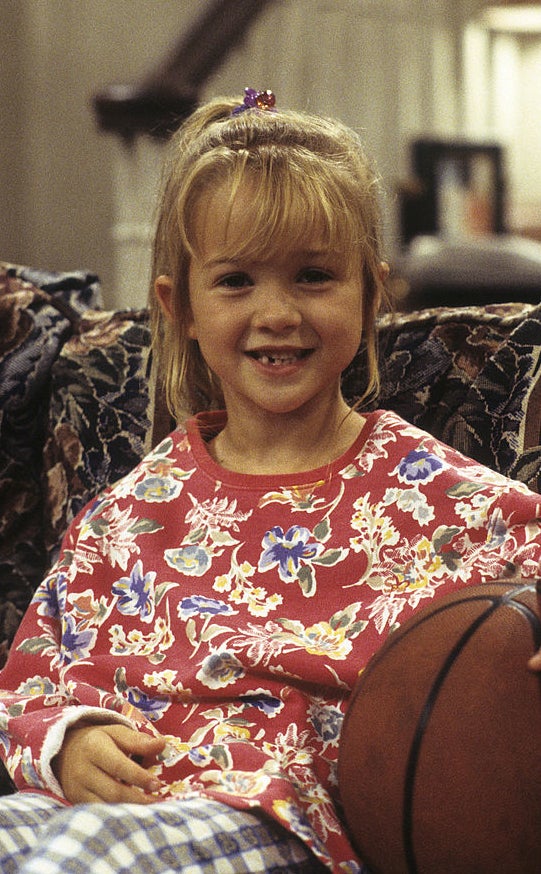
{"x":37,"y":705}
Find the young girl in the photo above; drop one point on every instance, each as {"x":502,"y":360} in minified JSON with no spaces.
{"x":174,"y":696}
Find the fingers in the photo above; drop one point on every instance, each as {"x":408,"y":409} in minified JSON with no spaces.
{"x":138,"y":746}
{"x":97,"y":763}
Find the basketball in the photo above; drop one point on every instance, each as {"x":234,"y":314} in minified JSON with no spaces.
{"x":439,"y":767}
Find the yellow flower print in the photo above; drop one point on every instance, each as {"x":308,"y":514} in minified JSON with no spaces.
{"x":164,"y":683}
{"x":244,"y":783}
{"x":283,"y":807}
{"x":421,"y":568}
{"x":174,"y":751}
{"x":260,"y":607}
{"x":426,"y":563}
{"x":301,"y":498}
{"x":14,"y":761}
{"x":238,"y":583}
{"x":222,"y":583}
{"x":230,"y":731}
{"x":376,"y":529}
{"x":179,"y":788}
{"x":162,"y":680}
{"x":136,"y":643}
{"x":291,"y":748}
{"x":290,"y":812}
{"x":321,"y":639}
{"x":330,"y":639}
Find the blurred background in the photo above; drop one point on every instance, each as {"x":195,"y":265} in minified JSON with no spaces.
{"x":446,"y":95}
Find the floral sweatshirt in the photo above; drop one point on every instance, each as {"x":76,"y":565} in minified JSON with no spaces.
{"x":233,"y":613}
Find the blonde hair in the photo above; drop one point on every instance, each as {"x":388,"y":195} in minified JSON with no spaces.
{"x":310,"y":174}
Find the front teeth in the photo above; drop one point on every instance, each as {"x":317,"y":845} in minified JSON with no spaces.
{"x":277,"y":360}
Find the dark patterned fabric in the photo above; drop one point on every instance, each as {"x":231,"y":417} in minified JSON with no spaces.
{"x":471,"y":377}
{"x":38,"y":312}
{"x":98,"y":418}
{"x":74,"y":403}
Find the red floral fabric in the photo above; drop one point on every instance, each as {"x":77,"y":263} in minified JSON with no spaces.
{"x":233,"y":613}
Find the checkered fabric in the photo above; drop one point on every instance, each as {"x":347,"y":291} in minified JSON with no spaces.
{"x":199,"y":836}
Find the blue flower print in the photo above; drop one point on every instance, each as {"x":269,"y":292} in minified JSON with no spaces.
{"x":201,"y":755}
{"x":136,"y":593}
{"x":288,"y":550}
{"x":198,"y":605}
{"x":5,"y":740}
{"x":153,"y":708}
{"x":263,"y":701}
{"x":37,"y":686}
{"x":157,"y":489}
{"x":419,"y":466}
{"x":28,"y":770}
{"x":193,"y":561}
{"x":220,"y":669}
{"x":51,"y":595}
{"x":75,"y":645}
{"x":4,"y":734}
{"x":327,"y":721}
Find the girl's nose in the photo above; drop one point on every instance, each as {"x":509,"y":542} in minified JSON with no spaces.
{"x":276,"y":310}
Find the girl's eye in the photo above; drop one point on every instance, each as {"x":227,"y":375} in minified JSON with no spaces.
{"x":235,"y":280}
{"x":314,"y":275}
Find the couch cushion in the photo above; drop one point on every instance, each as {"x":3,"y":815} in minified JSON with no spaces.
{"x":472,"y":377}
{"x":98,"y":422}
{"x":38,"y":311}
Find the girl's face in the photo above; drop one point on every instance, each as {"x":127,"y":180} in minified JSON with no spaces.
{"x":278,"y":328}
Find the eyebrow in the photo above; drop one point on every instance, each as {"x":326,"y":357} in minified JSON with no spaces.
{"x":302,"y":254}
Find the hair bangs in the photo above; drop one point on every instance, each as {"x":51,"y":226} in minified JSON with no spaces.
{"x":293,"y":206}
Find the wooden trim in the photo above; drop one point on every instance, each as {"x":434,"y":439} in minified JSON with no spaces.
{"x":162,"y":100}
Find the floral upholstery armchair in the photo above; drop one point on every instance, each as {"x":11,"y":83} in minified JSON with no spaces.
{"x":77,"y":413}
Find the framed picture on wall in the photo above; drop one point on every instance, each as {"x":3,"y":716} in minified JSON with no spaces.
{"x":458,"y":190}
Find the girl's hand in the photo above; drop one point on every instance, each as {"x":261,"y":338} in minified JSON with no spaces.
{"x":97,"y":763}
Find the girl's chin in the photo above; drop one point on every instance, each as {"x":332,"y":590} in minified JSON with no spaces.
{"x":278,"y":404}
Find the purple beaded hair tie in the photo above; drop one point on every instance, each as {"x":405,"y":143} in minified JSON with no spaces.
{"x":256,"y":100}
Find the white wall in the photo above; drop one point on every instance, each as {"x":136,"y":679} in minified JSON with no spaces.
{"x":56,"y":170}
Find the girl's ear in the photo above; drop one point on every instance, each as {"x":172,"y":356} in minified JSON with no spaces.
{"x":163,"y":287}
{"x":384,"y":270}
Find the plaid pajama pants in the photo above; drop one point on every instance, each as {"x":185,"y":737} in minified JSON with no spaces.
{"x":199,"y":836}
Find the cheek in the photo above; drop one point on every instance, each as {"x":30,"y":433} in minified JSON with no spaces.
{"x":344,"y":324}
{"x":214,"y":333}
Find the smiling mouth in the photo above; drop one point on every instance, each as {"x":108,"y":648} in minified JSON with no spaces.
{"x":277,"y":359}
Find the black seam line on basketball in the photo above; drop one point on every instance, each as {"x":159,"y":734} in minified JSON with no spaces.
{"x":394,"y":639}
{"x":533,"y":619}
{"x":409,"y":782}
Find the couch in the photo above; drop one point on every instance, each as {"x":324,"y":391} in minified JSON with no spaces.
{"x":76,"y":411}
